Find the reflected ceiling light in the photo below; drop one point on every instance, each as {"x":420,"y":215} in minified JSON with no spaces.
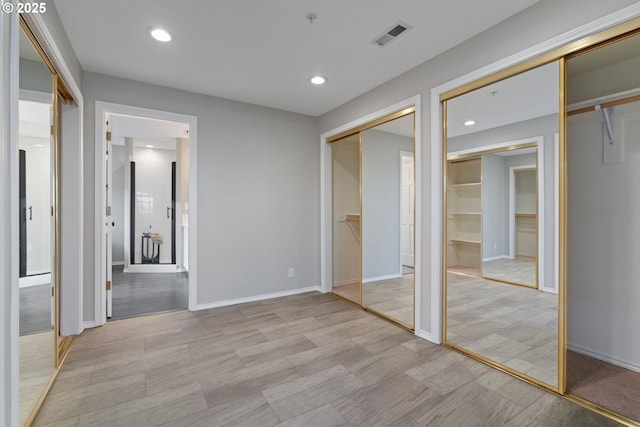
{"x":149,"y":146}
{"x":470,"y":123}
{"x":318,"y":80}
{"x":160,"y":34}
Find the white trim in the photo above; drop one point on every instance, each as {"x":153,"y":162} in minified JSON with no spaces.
{"x":38,"y":279}
{"x":423,"y":334}
{"x":556,"y":214}
{"x":612,"y":360}
{"x":346,"y":282}
{"x":151,"y":268}
{"x":89,"y":324}
{"x":437,"y":181}
{"x":379,"y":278}
{"x":495,"y":258}
{"x":254,"y":298}
{"x":46,"y":39}
{"x":102,"y":109}
{"x":499,"y":146}
{"x":411,"y":155}
{"x":35,"y":96}
{"x":326,"y":230}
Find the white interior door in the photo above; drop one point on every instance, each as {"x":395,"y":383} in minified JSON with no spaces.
{"x":407,"y":244}
{"x":108,"y":222}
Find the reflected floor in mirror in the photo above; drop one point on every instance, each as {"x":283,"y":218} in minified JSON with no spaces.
{"x":393,"y":298}
{"x":511,"y":325}
{"x":35,"y":309}
{"x":350,"y":291}
{"x":607,"y":385}
{"x":519,"y":270}
{"x":36,"y":367}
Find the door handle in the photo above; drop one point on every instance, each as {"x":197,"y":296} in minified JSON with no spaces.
{"x":168,"y":212}
{"x":30,"y":213}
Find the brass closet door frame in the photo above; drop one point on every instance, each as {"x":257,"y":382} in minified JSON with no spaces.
{"x":61,"y":96}
{"x":601,"y":38}
{"x":358,"y":131}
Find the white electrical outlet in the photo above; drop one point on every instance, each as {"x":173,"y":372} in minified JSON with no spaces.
{"x":291,"y":272}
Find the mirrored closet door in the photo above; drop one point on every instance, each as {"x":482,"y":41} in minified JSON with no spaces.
{"x":603,"y":167}
{"x":43,"y":97}
{"x":373,"y":199}
{"x":500,"y":287}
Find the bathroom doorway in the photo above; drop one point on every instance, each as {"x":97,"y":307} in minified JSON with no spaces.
{"x":147,"y":194}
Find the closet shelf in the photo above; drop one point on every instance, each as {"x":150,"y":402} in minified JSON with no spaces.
{"x":463,"y":240}
{"x":465,"y":213}
{"x":466,"y":186}
{"x":351,"y":217}
{"x":526,"y":215}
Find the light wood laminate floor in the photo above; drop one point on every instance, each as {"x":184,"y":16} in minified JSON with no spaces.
{"x":513,"y":325}
{"x":36,"y":367}
{"x":309,"y":359}
{"x":519,"y":270}
{"x":393,"y":297}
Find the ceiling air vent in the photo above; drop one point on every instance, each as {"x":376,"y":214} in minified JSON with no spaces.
{"x":391,"y":34}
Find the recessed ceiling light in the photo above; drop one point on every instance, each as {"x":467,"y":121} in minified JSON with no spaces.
{"x":318,"y":80}
{"x":160,"y":34}
{"x":149,"y":146}
{"x":470,"y":123}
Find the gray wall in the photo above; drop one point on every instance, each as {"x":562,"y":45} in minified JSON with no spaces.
{"x":541,"y":22}
{"x":34,"y":75}
{"x":495,"y":207}
{"x":381,"y":179}
{"x":603,"y":236}
{"x":258,"y":190}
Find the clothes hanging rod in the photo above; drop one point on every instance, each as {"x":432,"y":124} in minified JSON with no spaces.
{"x":604,"y":105}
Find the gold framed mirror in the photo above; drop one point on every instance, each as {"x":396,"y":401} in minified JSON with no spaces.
{"x":500,"y":291}
{"x":373,"y":224}
{"x":42,"y":97}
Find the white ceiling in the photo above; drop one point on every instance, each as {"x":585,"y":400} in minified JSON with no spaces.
{"x":264,"y":52}
{"x":34,"y":119}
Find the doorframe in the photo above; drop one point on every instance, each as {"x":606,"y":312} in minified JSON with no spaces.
{"x":512,"y":207}
{"x":102,"y":109}
{"x":326,"y":207}
{"x":404,"y":154}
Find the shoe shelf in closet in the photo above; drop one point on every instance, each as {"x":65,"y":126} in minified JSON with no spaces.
{"x":464,"y":216}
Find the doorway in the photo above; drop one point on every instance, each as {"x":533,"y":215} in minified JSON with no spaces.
{"x":149,"y":212}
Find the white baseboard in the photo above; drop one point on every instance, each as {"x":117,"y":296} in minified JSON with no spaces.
{"x":89,"y":324}
{"x":495,"y":258}
{"x":117,"y":262}
{"x":38,"y":279}
{"x":549,"y":290}
{"x":346,"y":282}
{"x":152,"y":268}
{"x":425,"y":335}
{"x":379,"y":278}
{"x":257,"y":298}
{"x":623,"y":364}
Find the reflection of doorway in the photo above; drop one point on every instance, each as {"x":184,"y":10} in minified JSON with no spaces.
{"x":149,"y":215}
{"x":407,"y":209}
{"x":35,"y":219}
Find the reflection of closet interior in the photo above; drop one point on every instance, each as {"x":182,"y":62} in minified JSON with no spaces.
{"x":464,"y":221}
{"x":372,"y":217}
{"x":526,"y":244}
